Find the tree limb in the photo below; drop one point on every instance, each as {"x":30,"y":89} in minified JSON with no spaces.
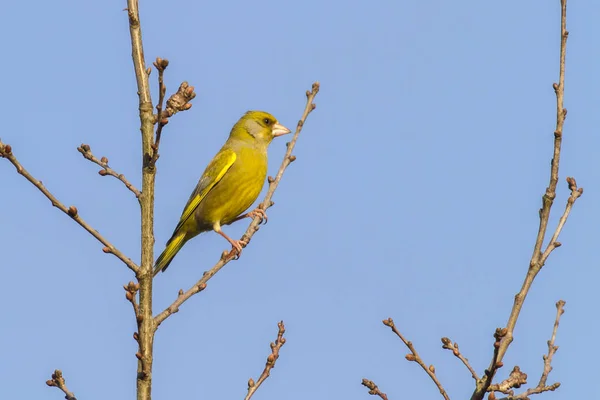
{"x":538,"y":259}
{"x":271,"y":360}
{"x":448,"y":345}
{"x":414,"y":356}
{"x":86,"y":152}
{"x":6,"y":152}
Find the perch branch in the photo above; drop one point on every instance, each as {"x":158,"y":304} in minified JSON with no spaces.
{"x":538,"y":257}
{"x":86,"y":152}
{"x":414,"y":356}
{"x":6,"y":152}
{"x":253,"y":228}
{"x":373,"y":389}
{"x":270,"y":364}
{"x":59,"y":381}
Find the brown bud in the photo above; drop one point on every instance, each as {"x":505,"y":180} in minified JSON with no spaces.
{"x":313,"y":105}
{"x":307,"y":93}
{"x":292,"y":158}
{"x":410,"y":357}
{"x":202,"y":286}
{"x":251,"y":383}
{"x":388,"y":322}
{"x":72,"y":211}
{"x":491,"y":396}
{"x":432,"y":369}
{"x":86,"y":147}
{"x":50,"y":383}
{"x":7,"y":149}
{"x":104,"y":160}
{"x":455,"y":352}
{"x":270,"y":359}
{"x":103,"y":172}
{"x":138,"y":355}
{"x":180,"y":292}
{"x":300,"y":123}
{"x":106,"y":250}
{"x":270,"y":179}
{"x":136,"y":336}
{"x":555,"y":86}
{"x":499,"y":364}
{"x":148,"y":71}
{"x":129,"y":296}
{"x":187,"y":106}
{"x":139,"y":318}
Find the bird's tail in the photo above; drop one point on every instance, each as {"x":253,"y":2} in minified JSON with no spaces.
{"x":173,"y":246}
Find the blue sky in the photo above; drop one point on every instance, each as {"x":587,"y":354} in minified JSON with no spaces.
{"x":414,"y":196}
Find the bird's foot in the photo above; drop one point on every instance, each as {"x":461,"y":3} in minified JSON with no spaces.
{"x":258,"y":212}
{"x":236,"y":249}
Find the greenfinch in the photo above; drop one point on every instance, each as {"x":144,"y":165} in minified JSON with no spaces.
{"x":229,"y":185}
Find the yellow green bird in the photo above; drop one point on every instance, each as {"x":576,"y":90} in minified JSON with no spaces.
{"x":229,"y":185}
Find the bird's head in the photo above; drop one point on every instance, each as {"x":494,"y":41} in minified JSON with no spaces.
{"x":258,"y":127}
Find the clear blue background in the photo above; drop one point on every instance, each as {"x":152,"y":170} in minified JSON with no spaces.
{"x":415,"y":194}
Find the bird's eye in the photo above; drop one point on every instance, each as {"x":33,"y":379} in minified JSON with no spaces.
{"x":267,"y":121}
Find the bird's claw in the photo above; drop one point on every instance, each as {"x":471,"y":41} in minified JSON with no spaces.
{"x":259,"y":212}
{"x":236,"y":249}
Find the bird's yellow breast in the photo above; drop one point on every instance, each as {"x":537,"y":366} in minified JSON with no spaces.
{"x":236,"y":191}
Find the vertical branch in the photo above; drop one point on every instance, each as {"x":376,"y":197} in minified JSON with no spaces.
{"x":146,"y":322}
{"x":539,"y":256}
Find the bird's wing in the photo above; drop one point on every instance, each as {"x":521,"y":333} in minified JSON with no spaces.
{"x":215,"y":171}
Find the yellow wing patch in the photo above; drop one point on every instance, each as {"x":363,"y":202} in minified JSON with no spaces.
{"x":215,"y":171}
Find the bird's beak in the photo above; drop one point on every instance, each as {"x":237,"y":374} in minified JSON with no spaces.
{"x":280,"y":130}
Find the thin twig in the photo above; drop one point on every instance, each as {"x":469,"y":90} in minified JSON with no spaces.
{"x":447,"y":344}
{"x":552,"y":348}
{"x":373,"y":389}
{"x":414,"y":356}
{"x":538,"y":258}
{"x":6,"y":152}
{"x":253,"y":227}
{"x":86,"y":152}
{"x":270,"y":364}
{"x":160,"y":64}
{"x":59,"y":381}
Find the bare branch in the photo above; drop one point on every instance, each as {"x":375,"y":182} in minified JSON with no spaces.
{"x":86,"y":152}
{"x":59,"y":381}
{"x":145,"y":336}
{"x":414,"y":356}
{"x":373,"y":389}
{"x":6,"y":152}
{"x":538,"y":258}
{"x":180,"y":101}
{"x":254,"y":225}
{"x":552,"y":348}
{"x":541,"y":386}
{"x":271,"y":360}
{"x":448,"y":345}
